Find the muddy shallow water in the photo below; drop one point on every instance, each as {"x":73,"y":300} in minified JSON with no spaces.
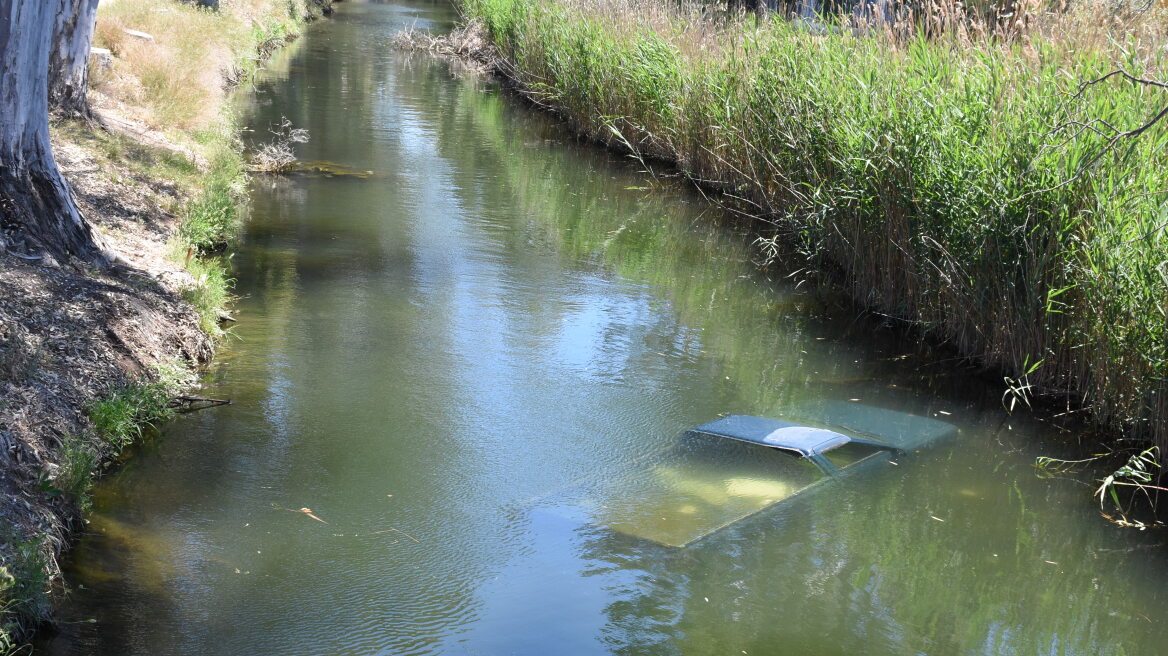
{"x":432,"y":352}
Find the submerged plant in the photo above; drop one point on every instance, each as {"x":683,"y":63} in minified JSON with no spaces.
{"x":1137,"y":474}
{"x":279,"y":154}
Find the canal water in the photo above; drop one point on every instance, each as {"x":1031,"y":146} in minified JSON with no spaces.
{"x":456,"y":325}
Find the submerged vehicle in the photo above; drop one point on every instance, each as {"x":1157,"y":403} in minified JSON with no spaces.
{"x":728,"y":469}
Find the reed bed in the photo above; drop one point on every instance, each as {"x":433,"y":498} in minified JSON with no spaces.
{"x":957,"y":174}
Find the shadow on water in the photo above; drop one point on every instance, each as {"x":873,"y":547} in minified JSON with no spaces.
{"x":426,"y":355}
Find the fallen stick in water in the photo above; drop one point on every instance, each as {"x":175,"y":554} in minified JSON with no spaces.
{"x":192,"y":403}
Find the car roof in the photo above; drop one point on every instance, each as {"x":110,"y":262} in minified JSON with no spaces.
{"x":805,"y":441}
{"x":899,"y":430}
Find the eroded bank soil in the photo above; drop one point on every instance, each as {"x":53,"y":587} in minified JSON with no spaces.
{"x":69,"y":336}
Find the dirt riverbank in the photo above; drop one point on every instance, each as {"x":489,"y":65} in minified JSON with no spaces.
{"x":87,"y":356}
{"x":69,"y":337}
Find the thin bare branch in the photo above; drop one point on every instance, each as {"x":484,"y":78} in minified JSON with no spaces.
{"x":1116,"y":136}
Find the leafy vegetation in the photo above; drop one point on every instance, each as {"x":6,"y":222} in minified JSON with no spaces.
{"x":76,"y":467}
{"x":210,"y":293}
{"x":211,"y":218}
{"x":949,"y":178}
{"x":24,"y":576}
{"x":120,"y":418}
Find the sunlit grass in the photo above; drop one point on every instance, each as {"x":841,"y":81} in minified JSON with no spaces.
{"x":210,"y":292}
{"x":121,"y":416}
{"x":177,"y":78}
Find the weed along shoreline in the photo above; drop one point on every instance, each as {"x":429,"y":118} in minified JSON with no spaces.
{"x":91,"y":361}
{"x":999,"y":188}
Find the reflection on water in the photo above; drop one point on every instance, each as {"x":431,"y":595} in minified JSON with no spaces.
{"x":494,"y":315}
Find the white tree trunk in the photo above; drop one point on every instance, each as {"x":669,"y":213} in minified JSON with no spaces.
{"x":38,"y":215}
{"x":69,"y":56}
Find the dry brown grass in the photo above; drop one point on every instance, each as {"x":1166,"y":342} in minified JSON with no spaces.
{"x":697,"y":29}
{"x":468,"y":43}
{"x":179,"y":79}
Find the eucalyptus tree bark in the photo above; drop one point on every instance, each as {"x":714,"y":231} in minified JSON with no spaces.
{"x":39,"y":217}
{"x":69,"y":56}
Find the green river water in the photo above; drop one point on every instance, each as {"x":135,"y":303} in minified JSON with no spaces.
{"x":465,"y":321}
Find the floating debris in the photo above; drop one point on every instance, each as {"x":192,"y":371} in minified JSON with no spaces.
{"x":305,"y":511}
{"x":308,"y":511}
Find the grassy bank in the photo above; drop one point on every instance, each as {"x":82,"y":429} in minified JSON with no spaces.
{"x":173,"y":85}
{"x":90,"y":361}
{"x":948,"y":181}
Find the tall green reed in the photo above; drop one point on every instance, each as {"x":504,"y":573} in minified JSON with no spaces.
{"x":930,"y":172}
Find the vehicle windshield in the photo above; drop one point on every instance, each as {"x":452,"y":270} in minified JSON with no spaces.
{"x":851,"y":453}
{"x":702,"y":484}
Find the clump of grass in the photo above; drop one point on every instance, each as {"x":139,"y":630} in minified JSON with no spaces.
{"x":125,"y":413}
{"x":210,"y":293}
{"x":120,"y":418}
{"x":76,"y":466}
{"x":24,"y":579}
{"x":940,"y":170}
{"x":177,"y":80}
{"x":211,"y":219}
{"x":209,"y":222}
